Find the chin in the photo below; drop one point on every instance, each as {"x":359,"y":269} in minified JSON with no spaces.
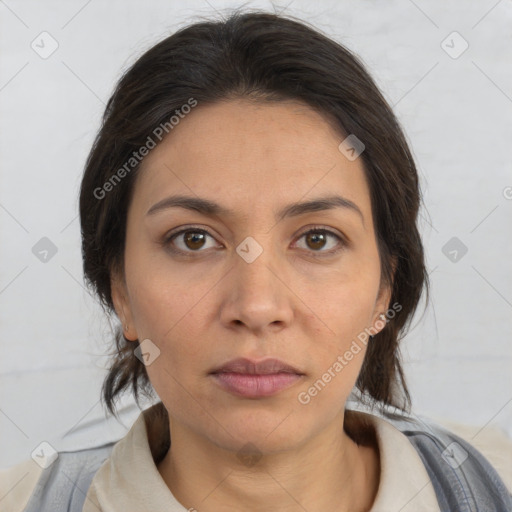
{"x":270,"y":431}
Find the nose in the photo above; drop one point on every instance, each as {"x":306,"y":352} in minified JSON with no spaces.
{"x":256,"y":293}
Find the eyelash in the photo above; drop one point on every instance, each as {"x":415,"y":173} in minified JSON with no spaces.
{"x":315,"y":229}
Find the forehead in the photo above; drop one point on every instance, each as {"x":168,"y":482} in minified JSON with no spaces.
{"x":252,"y":153}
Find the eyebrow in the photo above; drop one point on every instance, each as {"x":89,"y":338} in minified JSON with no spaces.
{"x":210,"y":208}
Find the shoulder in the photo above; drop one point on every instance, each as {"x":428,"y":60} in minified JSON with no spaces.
{"x":17,"y":484}
{"x":462,"y":460}
{"x":28,"y":486}
{"x":492,"y":442}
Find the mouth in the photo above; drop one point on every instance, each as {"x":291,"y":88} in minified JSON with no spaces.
{"x":248,"y":366}
{"x":250,"y":379}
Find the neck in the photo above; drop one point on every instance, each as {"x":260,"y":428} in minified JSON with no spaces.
{"x":327,"y":472}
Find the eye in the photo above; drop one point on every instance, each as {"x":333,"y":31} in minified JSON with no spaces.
{"x":193,"y":239}
{"x":317,"y":239}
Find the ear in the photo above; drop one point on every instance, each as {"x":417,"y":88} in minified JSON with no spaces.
{"x":122,"y":306}
{"x":383,"y":299}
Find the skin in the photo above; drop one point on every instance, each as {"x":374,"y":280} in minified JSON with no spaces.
{"x":213,"y":306}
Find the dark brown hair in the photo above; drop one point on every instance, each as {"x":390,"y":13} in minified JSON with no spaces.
{"x":265,"y":57}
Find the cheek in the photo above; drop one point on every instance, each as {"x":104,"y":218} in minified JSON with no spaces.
{"x":160,"y":292}
{"x":172,"y":308}
{"x":338,"y":347}
{"x":345,"y":301}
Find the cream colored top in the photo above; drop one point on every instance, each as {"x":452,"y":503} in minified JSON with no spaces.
{"x":129,"y":481}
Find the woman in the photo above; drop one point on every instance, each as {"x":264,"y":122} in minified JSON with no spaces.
{"x":248,"y":211}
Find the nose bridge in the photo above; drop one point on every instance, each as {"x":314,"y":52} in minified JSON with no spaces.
{"x":258,"y":296}
{"x":256,"y":256}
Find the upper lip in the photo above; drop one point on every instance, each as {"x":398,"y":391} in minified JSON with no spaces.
{"x":249,"y":366}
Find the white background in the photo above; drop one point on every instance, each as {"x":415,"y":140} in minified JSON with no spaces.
{"x":457,"y":114}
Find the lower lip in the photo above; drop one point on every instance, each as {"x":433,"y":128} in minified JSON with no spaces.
{"x":255,"y":386}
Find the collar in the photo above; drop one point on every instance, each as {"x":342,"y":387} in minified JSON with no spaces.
{"x":129,"y":478}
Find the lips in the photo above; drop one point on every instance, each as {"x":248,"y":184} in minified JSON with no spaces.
{"x":265,"y":367}
{"x":251,"y":379}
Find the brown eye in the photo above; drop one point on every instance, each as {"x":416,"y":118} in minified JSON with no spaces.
{"x":193,"y":239}
{"x":188,"y":240}
{"x":317,"y":239}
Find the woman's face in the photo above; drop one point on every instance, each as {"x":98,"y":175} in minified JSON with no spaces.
{"x":246,"y":281}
